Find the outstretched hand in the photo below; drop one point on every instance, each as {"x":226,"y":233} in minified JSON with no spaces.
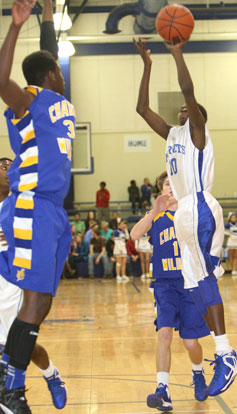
{"x":21,"y":11}
{"x":174,"y":47}
{"x":164,"y":202}
{"x":142,"y":50}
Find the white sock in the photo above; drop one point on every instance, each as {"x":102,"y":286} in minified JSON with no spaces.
{"x":163,"y":377}
{"x":49,"y":371}
{"x":212,"y":334}
{"x":197,"y":367}
{"x":222,"y":344}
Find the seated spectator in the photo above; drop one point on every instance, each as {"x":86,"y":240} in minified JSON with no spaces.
{"x":113,"y":224}
{"x":105,"y":231}
{"x":132,"y":255}
{"x":79,"y":253}
{"x":120,"y":251}
{"x":146,"y":192}
{"x":79,"y":224}
{"x":90,"y":216}
{"x":88,"y":233}
{"x":231,"y":232}
{"x":110,"y":253}
{"x":154,"y":192}
{"x":134,"y":195}
{"x":73,"y":230}
{"x":97,"y":252}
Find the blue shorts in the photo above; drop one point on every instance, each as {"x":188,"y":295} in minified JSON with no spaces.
{"x":206,"y":294}
{"x":39,"y":237}
{"x":176,"y":309}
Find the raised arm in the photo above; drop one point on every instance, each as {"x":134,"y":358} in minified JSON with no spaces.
{"x":47,"y":32}
{"x":143,"y":108}
{"x":18,"y":99}
{"x":144,"y":225}
{"x":197,"y":121}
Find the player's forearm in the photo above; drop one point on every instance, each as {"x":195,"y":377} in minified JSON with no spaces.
{"x":47,"y":13}
{"x":184,"y":78}
{"x":7,"y":55}
{"x":143,"y":97}
{"x":142,"y":226}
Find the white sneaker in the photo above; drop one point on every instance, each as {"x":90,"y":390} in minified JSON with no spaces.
{"x":125,"y":278}
{"x":234,"y":272}
{"x":119,"y":278}
{"x":143,"y":277}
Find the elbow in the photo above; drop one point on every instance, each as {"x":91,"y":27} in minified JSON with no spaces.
{"x":187,"y":90}
{"x":141,"y":110}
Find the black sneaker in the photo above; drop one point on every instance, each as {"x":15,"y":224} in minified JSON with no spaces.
{"x":3,"y":377}
{"x":14,"y":402}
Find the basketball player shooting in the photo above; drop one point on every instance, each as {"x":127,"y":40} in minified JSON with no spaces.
{"x":199,"y":219}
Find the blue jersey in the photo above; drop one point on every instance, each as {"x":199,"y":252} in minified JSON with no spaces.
{"x":166,"y":253}
{"x":42,"y":141}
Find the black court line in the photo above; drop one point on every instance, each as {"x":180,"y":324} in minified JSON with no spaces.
{"x":135,"y":286}
{"x":48,"y":321}
{"x":223,"y":405}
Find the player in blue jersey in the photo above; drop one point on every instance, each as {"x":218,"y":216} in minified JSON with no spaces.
{"x":198,"y":221}
{"x":174,"y":304}
{"x":41,"y":130}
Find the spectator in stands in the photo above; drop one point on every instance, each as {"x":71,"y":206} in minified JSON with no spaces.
{"x":79,"y":224}
{"x":97,"y":252}
{"x":231,"y":232}
{"x":132,"y":255}
{"x":120,"y":251}
{"x":154,"y":192}
{"x":134,"y":195}
{"x":105,"y":231}
{"x":113,"y":224}
{"x":73,"y":230}
{"x":146,"y":192}
{"x":102,"y":202}
{"x":79,"y":253}
{"x":145,"y":249}
{"x":110,"y":253}
{"x":90,"y":216}
{"x":88,"y":233}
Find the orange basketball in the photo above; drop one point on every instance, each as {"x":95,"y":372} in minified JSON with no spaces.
{"x":175,"y":23}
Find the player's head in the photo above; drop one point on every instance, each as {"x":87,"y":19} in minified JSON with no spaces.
{"x":41,"y":69}
{"x":5,"y":164}
{"x":164,"y":184}
{"x":232,"y":217}
{"x":183,"y":113}
{"x":123,"y":225}
{"x":102,"y":185}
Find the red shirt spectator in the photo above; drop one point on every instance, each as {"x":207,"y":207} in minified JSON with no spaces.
{"x":131,"y":250}
{"x":102,"y":196}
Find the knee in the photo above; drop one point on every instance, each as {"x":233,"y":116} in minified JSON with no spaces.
{"x":36,"y":306}
{"x":165,"y":336}
{"x":191,"y":344}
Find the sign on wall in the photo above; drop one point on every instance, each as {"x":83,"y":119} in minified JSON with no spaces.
{"x":137,"y":143}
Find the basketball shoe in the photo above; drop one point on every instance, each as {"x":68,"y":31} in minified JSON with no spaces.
{"x":57,"y":389}
{"x":14,"y":401}
{"x":225,"y":371}
{"x":200,"y":386}
{"x":161,"y":399}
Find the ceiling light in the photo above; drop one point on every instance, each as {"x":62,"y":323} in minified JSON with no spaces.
{"x":62,"y":20}
{"x":65,"y":47}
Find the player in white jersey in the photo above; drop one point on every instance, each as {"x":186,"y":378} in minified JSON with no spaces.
{"x":199,"y":219}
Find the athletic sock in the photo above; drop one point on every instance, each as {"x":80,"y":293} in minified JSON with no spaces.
{"x":163,"y":377}
{"x":213,"y":334}
{"x":5,"y":360}
{"x":49,"y":371}
{"x":15,"y":378}
{"x":222,"y":344}
{"x":197,"y":367}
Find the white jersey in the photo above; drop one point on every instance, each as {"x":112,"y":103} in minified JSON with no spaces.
{"x":189,"y":169}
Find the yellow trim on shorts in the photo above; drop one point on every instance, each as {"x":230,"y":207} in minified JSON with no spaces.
{"x":26,"y":204}
{"x":19,"y":262}
{"x":29,"y":161}
{"x":23,"y":234}
{"x":25,"y":187}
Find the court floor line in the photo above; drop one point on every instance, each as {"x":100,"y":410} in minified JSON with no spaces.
{"x":223,"y":405}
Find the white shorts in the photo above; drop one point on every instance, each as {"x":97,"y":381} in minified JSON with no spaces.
{"x":199,"y":230}
{"x":10,"y":302}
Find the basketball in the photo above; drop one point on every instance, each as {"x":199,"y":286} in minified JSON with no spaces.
{"x":175,"y":23}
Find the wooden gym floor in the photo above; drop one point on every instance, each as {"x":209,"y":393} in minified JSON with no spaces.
{"x":101,"y":337}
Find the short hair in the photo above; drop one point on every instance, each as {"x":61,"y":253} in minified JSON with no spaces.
{"x":132,"y":182}
{"x":103,"y":183}
{"x":161,"y":179}
{"x":5,"y":159}
{"x":203,"y":111}
{"x":36,"y":66}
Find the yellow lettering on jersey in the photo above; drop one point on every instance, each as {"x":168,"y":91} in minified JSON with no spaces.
{"x":52,"y":114}
{"x":166,"y":235}
{"x":172,"y":233}
{"x":65,"y":147}
{"x":71,"y":109}
{"x":71,"y":129}
{"x":62,"y":145}
{"x":178,"y":263}
{"x":69,"y":148}
{"x":172,"y":265}
{"x":64,"y":109}
{"x":165,"y":265}
{"x":161,"y":238}
{"x":58,"y":110}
